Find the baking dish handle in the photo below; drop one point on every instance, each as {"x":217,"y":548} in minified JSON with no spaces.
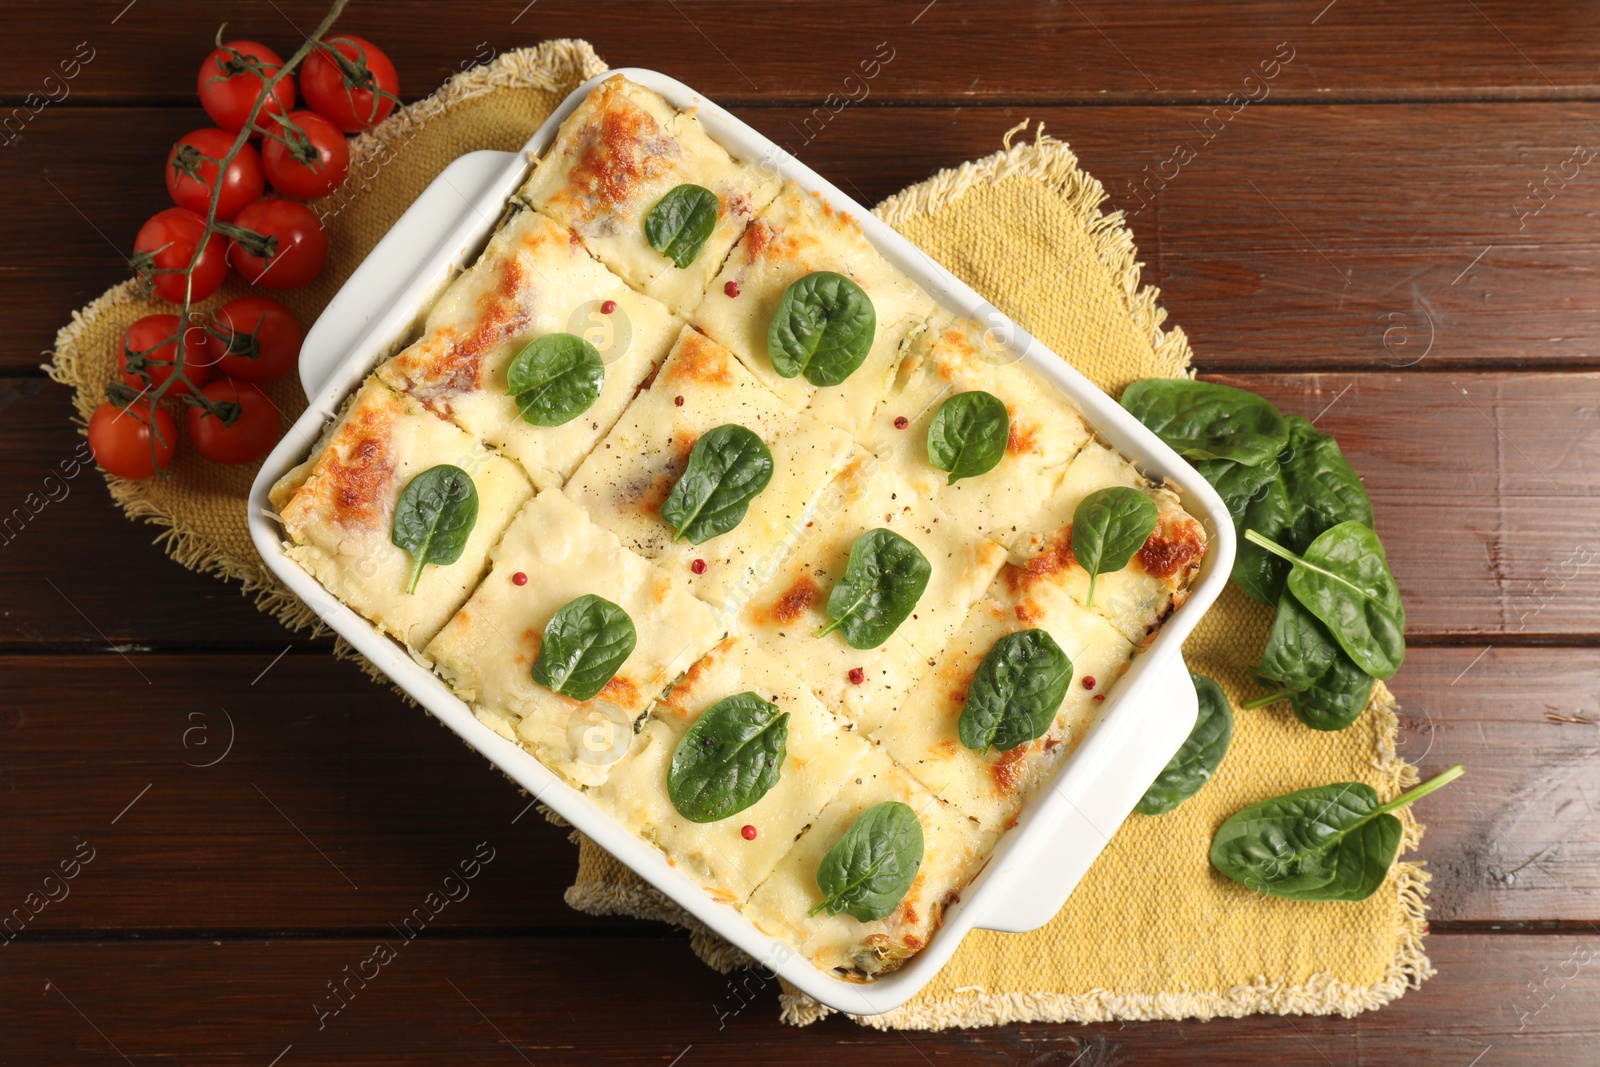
{"x":425,"y":246}
{"x":1094,"y":807}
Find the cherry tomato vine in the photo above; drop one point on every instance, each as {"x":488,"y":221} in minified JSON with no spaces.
{"x":178,"y":365}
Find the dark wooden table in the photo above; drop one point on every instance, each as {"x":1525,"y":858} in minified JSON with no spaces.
{"x":1399,"y":238}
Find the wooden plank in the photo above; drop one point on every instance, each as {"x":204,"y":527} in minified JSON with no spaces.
{"x":74,"y":571}
{"x":258,"y":793}
{"x":1522,"y":842}
{"x":1486,"y":487}
{"x":1352,"y":237}
{"x":330,"y":777}
{"x":1528,"y":999}
{"x":964,"y":50}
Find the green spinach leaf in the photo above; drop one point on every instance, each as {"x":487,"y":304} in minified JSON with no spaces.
{"x":1108,"y":527}
{"x":968,"y":435}
{"x":872,"y":867}
{"x":1343,"y":579}
{"x":680,"y":223}
{"x":1310,"y":488}
{"x":1299,"y":649}
{"x":585,"y":644}
{"x":555,"y":378}
{"x":434,"y":517}
{"x":1323,"y":685}
{"x":1015,"y":692}
{"x":1331,"y":842}
{"x":728,"y":759}
{"x":728,"y":467}
{"x":882,"y":583}
{"x":1200,"y":755}
{"x":1204,"y":420}
{"x":823,"y":329}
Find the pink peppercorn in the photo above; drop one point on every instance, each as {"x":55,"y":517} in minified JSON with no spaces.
{"x":901,"y":422}
{"x":857,"y":675}
{"x":608,"y":307}
{"x":732,"y":288}
{"x":749,"y":832}
{"x":519,"y":579}
{"x":698,"y":566}
{"x":1088,"y":681}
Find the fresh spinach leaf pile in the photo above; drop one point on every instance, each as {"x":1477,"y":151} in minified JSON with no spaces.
{"x":1307,"y":548}
{"x":1306,"y":544}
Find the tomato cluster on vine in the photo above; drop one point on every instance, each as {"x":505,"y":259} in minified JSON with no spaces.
{"x":239,"y":189}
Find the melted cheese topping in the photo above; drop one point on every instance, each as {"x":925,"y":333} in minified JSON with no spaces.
{"x":819,"y":754}
{"x":955,"y":849}
{"x":785,"y":614}
{"x":486,"y":651}
{"x":551,"y":268}
{"x":993,"y":786}
{"x":533,"y":279}
{"x":338,"y":512}
{"x":798,"y":234}
{"x":615,"y":158}
{"x":1157,"y":579}
{"x":625,"y":481}
{"x":1046,"y":430}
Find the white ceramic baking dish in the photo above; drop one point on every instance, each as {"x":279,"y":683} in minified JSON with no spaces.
{"x":1150,"y":710}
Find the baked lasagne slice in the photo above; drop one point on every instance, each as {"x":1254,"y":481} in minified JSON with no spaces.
{"x":955,"y":849}
{"x":724,"y":857}
{"x":866,"y":686}
{"x":625,"y":481}
{"x":614,"y":159}
{"x":1046,"y":431}
{"x":486,"y":651}
{"x":1155,"y":582}
{"x":533,"y":279}
{"x":924,"y":739}
{"x":799,"y":234}
{"x":337,"y":511}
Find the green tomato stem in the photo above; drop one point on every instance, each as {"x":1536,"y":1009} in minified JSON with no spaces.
{"x":1270,"y":698}
{"x":1423,"y":790}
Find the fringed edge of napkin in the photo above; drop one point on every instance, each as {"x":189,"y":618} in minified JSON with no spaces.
{"x":1321,"y":994}
{"x":1052,"y":162}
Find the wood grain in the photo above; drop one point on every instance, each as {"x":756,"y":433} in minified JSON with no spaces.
{"x":557,"y":1001}
{"x":1094,"y":51}
{"x":1296,"y":238}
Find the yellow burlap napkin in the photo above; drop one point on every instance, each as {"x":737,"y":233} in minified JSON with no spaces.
{"x":1152,"y":932}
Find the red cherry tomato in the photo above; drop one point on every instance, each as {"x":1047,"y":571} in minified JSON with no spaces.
{"x":251,"y":435}
{"x":349,"y":81}
{"x":150,"y":343}
{"x":167,"y":243}
{"x":317,"y":163}
{"x":229,"y":87}
{"x":191,"y":170}
{"x":120,"y":439}
{"x":259,"y":338}
{"x":302,"y":244}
